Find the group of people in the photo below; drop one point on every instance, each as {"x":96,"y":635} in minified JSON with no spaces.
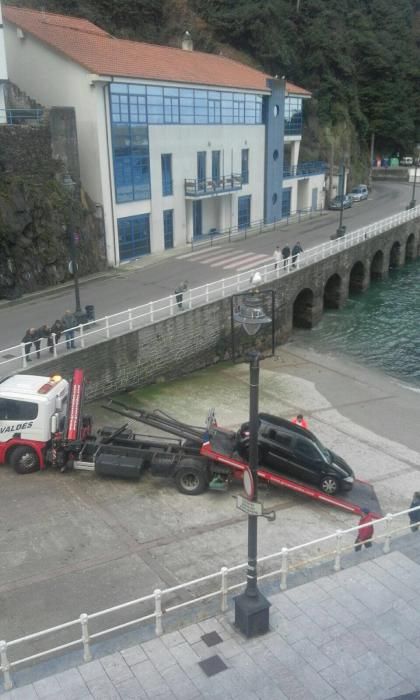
{"x":289,"y":258}
{"x":51,"y":334}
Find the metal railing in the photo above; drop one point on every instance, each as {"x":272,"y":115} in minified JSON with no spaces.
{"x":209,"y":186}
{"x":21,"y":116}
{"x":14,"y":358}
{"x":161,"y":603}
{"x":314,"y":167}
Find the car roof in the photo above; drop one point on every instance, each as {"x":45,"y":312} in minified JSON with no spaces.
{"x":287,"y":424}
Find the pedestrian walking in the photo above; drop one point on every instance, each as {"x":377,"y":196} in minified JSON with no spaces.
{"x":415,"y":515}
{"x":69,"y":322}
{"x":296,"y":253}
{"x":365,"y":533}
{"x":286,"y":255}
{"x":277,"y":256}
{"x":28,"y":339}
{"x":299,"y":420}
{"x":43,"y":332}
{"x":179,"y":293}
{"x":56,"y":330}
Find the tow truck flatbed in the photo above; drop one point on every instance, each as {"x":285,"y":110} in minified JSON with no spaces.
{"x":220,"y":448}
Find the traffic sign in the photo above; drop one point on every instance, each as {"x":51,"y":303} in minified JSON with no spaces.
{"x":70,"y":267}
{"x":249,"y":507}
{"x":249,"y":484}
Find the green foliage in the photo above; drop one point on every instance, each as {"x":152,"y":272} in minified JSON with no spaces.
{"x":360,"y":58}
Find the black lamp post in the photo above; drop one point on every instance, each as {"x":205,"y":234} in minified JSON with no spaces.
{"x":412,"y":203}
{"x":71,"y":186}
{"x":341,"y":179}
{"x":251,"y":607}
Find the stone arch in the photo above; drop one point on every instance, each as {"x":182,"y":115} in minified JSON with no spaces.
{"x":332,"y":292}
{"x":410,"y":248}
{"x":357,"y":281}
{"x":303,"y":309}
{"x":395,"y":255}
{"x":377,"y":266}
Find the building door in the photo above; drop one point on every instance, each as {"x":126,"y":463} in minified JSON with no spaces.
{"x":201,"y":170}
{"x":197,"y":219}
{"x":314,"y":204}
{"x":134,"y":236}
{"x":215,"y":167}
{"x":286,"y":201}
{"x":244,"y":212}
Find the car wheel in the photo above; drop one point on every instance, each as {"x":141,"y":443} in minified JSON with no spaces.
{"x":191,"y":480}
{"x":329,"y":485}
{"x":24,"y":460}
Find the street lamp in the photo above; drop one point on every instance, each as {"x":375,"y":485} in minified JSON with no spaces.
{"x":341,"y":179}
{"x":251,"y":606}
{"x":71,"y":186}
{"x":412,"y":204}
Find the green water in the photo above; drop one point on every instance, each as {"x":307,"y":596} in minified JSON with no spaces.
{"x":379,"y":328}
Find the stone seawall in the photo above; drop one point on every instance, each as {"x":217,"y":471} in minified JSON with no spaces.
{"x":198,"y":338}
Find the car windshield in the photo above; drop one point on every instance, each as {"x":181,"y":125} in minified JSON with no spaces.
{"x":356,"y":190}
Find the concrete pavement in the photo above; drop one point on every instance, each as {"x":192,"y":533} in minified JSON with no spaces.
{"x":155,"y":277}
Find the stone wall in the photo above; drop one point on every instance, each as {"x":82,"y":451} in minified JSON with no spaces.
{"x":201,"y":337}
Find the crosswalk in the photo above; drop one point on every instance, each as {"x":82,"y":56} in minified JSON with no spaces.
{"x":231,"y":259}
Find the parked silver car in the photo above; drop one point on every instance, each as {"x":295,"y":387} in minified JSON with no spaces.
{"x":336,"y":202}
{"x":358,"y":193}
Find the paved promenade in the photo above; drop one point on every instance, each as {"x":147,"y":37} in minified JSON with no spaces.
{"x":352,"y":635}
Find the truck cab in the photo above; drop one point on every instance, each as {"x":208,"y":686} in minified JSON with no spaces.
{"x":32,"y":409}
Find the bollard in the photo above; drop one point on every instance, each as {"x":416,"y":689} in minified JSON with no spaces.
{"x":87,"y":654}
{"x":5,"y":666}
{"x":224,"y":588}
{"x":337,"y":560}
{"x":284,"y":568}
{"x":388,"y":525}
{"x":158,"y":612}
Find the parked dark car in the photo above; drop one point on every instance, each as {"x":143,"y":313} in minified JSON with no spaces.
{"x":296,"y":452}
{"x":336,"y":202}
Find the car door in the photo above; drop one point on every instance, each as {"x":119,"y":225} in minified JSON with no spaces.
{"x":308,"y":463}
{"x":278,"y":451}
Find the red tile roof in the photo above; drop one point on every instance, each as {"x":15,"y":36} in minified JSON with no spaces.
{"x":99,"y":52}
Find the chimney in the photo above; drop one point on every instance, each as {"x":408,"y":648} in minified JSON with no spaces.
{"x":187,"y":43}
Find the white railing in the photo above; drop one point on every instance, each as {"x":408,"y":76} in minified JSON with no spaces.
{"x":154,"y":311}
{"x":278,"y":565}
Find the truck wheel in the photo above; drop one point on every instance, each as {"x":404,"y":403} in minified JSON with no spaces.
{"x":191,"y":480}
{"x":24,"y":460}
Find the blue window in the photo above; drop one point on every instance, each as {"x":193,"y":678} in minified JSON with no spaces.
{"x":245,"y":166}
{"x":286,"y":201}
{"x":215,"y":166}
{"x":168,"y":228}
{"x":201,"y":170}
{"x":167,"y":188}
{"x":134,"y":236}
{"x":244,"y":211}
{"x":197,"y":218}
{"x":293,"y":116}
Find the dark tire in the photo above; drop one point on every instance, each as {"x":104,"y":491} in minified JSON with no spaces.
{"x":24,"y":460}
{"x":329,"y":485}
{"x":191,"y":479}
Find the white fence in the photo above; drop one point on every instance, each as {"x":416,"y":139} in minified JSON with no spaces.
{"x":160,"y":603}
{"x":14,"y":357}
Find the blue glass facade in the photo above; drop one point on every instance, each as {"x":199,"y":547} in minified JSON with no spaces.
{"x":134,"y":236}
{"x":141,"y":104}
{"x":244,"y":211}
{"x":293,"y":116}
{"x":168,"y":228}
{"x":167,"y":185}
{"x":286,"y":202}
{"x":245,"y":166}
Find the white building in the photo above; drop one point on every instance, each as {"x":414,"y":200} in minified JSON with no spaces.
{"x":173,"y":143}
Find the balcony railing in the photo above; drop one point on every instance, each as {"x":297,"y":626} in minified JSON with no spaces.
{"x":21,"y":116}
{"x":208,"y":187}
{"x":313,"y":167}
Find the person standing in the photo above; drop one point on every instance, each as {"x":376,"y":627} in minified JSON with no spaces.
{"x":28,"y":339}
{"x":299,"y":420}
{"x":56,"y":329}
{"x":365,"y":533}
{"x":296,"y":252}
{"x":286,"y":255}
{"x":43,"y":332}
{"x":179,"y":293}
{"x":69,"y":322}
{"x":277,"y":256}
{"x":415,"y":515}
